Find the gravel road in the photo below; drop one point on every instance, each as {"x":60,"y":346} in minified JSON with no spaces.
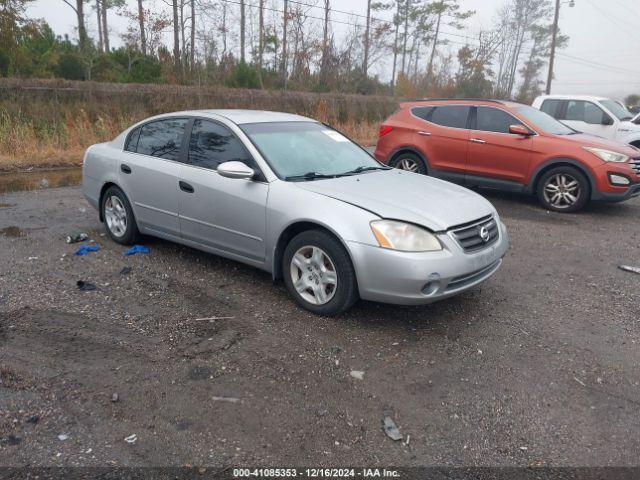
{"x":538,"y":366}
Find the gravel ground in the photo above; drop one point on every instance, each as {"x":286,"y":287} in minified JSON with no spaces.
{"x":538,"y":366}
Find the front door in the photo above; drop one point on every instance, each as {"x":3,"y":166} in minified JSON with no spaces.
{"x":225,"y":214}
{"x":588,"y":117}
{"x":493,"y":151}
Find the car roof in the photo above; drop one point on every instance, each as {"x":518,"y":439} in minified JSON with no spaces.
{"x":588,"y":98}
{"x":458,"y":101}
{"x":240,"y":116}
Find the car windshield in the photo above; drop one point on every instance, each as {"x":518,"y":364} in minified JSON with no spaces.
{"x":618,"y":110}
{"x":544,"y":121}
{"x":308,"y":150}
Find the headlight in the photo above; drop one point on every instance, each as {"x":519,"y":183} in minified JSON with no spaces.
{"x":608,"y":155}
{"x":404,"y":236}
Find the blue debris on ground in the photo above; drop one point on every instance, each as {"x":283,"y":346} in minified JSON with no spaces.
{"x":137,"y":249}
{"x":84,"y":249}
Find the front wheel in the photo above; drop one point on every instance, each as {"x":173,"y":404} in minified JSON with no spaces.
{"x":319,"y":274}
{"x":563,"y":189}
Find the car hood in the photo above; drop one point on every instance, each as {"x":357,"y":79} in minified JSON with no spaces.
{"x":400,"y":195}
{"x":587,"y":140}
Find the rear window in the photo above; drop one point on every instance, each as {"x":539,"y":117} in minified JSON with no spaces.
{"x":454,"y":116}
{"x":162,"y":138}
{"x":422,"y":112}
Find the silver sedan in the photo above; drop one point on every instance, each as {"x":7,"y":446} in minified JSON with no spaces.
{"x":296,"y":198}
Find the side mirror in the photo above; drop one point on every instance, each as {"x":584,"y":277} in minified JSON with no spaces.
{"x":236,"y":170}
{"x":519,"y":130}
{"x":607,"y":120}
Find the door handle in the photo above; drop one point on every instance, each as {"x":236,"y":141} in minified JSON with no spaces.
{"x":424,"y":134}
{"x":477,"y":140}
{"x":125,"y":168}
{"x":185,"y":187}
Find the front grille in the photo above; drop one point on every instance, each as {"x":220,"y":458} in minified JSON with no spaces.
{"x":635,"y":165}
{"x":469,"y":235}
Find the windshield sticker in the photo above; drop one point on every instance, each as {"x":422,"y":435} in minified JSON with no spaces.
{"x":335,"y":136}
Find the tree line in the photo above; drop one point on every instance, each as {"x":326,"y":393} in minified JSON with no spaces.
{"x":409,"y":48}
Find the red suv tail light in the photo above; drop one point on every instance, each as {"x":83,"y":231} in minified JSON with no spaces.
{"x":384,"y":129}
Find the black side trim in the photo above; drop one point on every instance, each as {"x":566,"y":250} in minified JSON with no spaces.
{"x":478,"y":180}
{"x":497,"y":183}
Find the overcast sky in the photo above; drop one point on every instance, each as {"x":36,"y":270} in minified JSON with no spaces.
{"x":600,"y":58}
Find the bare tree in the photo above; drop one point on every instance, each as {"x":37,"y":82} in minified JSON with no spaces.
{"x":396,"y":22}
{"x":260,"y":40}
{"x":176,"y":38}
{"x":99,"y":15}
{"x":82,"y":30}
{"x":365,"y":63}
{"x":324,"y":62}
{"x":192,"y":62}
{"x":242,"y":30}
{"x":283,"y":60}
{"x":143,"y":37}
{"x":451,"y":9}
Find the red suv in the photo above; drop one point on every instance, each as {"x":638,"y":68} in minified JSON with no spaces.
{"x":509,"y":146}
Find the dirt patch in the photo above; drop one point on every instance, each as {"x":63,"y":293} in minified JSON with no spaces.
{"x":12,"y":232}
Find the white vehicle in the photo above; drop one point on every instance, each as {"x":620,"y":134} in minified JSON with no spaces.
{"x":595,"y":115}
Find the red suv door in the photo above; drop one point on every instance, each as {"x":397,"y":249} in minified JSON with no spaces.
{"x":444,"y":135}
{"x":493,"y":151}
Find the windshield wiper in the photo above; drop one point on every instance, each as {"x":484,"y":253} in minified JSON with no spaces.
{"x":308,"y":176}
{"x":361,"y":169}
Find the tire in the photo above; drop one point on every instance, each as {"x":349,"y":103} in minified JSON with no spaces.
{"x":319,"y":249}
{"x":410,"y":162}
{"x":119,"y":220}
{"x":569,"y":183}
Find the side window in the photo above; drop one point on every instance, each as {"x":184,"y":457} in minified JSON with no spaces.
{"x":212,"y":144}
{"x":551,"y":107}
{"x":582,"y":111}
{"x":132,"y":141}
{"x":162,"y":138}
{"x":422,"y":112}
{"x":494,"y":120}
{"x":451,"y":116}
{"x":593,"y":114}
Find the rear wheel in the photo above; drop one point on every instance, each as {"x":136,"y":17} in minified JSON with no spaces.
{"x":319,"y":274}
{"x":410,"y":162}
{"x":118,"y":217}
{"x":563,"y":189}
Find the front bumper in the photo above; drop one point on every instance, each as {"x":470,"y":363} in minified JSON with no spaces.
{"x":605,"y":192}
{"x":418,"y":278}
{"x":625,"y":194}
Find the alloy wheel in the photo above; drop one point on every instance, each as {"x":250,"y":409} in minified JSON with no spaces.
{"x":562,"y":190}
{"x":313,"y":275}
{"x":408,"y":164}
{"x":115,"y":215}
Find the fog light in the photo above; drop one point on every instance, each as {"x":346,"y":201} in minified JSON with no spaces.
{"x":432,"y":285}
{"x":618,"y":179}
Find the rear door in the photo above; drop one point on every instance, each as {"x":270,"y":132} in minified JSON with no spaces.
{"x":149,"y":170}
{"x":493,"y":151}
{"x":222,"y":213}
{"x":444,"y":135}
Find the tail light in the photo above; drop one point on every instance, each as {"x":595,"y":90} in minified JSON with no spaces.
{"x":384,"y":129}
